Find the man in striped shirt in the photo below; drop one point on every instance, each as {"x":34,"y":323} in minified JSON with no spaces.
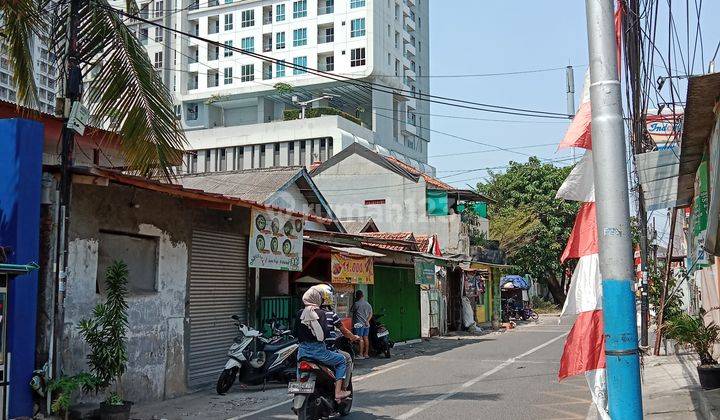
{"x":333,"y":325}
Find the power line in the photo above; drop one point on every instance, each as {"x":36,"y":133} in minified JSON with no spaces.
{"x":465,"y":171}
{"x":479,"y":75}
{"x":497,"y":148}
{"x":494,"y":150}
{"x":476,"y":118}
{"x":360,"y":83}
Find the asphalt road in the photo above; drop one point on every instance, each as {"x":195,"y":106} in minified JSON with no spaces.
{"x":497,"y":376}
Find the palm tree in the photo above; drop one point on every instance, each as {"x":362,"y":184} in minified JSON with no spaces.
{"x":125,"y":96}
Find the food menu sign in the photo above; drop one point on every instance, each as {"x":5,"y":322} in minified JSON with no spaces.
{"x":276,"y":241}
{"x":349,"y":269}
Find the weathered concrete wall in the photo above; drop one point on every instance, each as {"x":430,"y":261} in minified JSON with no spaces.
{"x":349,"y":183}
{"x":158,"y":330}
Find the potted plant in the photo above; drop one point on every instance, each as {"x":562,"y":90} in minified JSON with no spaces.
{"x":693,"y":331}
{"x":64,"y":386}
{"x":106,"y":333}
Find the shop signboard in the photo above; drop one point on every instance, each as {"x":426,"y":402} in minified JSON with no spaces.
{"x":351,"y":269}
{"x":276,"y":241}
{"x":664,"y":129}
{"x":424,"y":272}
{"x":699,"y":220}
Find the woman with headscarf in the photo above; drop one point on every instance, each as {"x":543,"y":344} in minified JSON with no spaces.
{"x":311,"y":333}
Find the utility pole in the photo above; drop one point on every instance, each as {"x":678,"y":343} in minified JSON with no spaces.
{"x":73,"y":87}
{"x":613,"y":216}
{"x":663,"y":293}
{"x":632,"y":54}
{"x":570,"y":93}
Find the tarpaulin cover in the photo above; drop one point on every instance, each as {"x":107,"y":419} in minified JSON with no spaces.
{"x":437,"y":203}
{"x":513,"y":282}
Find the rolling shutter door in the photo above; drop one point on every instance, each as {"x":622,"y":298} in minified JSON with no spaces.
{"x":218,"y":290}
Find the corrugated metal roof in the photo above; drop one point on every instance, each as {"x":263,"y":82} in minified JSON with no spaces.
{"x":702,"y":93}
{"x":190,"y":193}
{"x":254,"y":184}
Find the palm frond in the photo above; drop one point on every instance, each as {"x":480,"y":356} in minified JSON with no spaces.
{"x":20,"y":20}
{"x":125,"y":95}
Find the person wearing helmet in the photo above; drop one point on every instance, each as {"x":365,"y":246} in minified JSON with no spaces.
{"x":311,"y":331}
{"x":334,"y":324}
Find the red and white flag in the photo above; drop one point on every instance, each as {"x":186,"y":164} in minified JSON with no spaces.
{"x":584,"y":351}
{"x":583,"y":238}
{"x":579,"y":185}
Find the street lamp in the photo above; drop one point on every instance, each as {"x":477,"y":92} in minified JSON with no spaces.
{"x":304,"y":104}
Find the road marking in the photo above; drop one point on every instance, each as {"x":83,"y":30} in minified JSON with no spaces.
{"x":378,"y":372}
{"x":357,"y":379}
{"x":262,"y":410}
{"x":472,"y":382}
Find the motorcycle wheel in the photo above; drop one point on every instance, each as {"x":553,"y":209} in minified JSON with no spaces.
{"x":525,"y":316}
{"x":307,"y":412}
{"x":534,"y":316}
{"x":226,"y":380}
{"x":347,"y":406}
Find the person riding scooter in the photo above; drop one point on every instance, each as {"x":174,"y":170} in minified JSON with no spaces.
{"x":334,"y":324}
{"x":311,"y":332}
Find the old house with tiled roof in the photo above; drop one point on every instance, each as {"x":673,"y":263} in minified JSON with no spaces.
{"x":361,"y":183}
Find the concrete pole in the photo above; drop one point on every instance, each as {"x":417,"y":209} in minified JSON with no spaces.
{"x":613,"y":215}
{"x":570,"y":91}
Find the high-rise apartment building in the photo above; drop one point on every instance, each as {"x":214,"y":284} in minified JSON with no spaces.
{"x":242,"y":112}
{"x":45,"y":75}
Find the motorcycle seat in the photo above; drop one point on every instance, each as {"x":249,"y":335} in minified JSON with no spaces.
{"x":277,"y":346}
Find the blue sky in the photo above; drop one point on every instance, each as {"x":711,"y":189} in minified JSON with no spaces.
{"x":478,"y":37}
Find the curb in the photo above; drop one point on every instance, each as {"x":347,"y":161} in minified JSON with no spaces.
{"x":707,"y":409}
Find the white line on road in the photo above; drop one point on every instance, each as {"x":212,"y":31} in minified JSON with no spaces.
{"x":472,"y":382}
{"x":262,"y":410}
{"x":356,"y":379}
{"x":370,"y":375}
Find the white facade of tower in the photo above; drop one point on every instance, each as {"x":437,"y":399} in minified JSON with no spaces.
{"x":234,"y":116}
{"x":45,"y":75}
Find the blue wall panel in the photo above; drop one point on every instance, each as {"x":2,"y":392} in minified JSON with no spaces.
{"x":21,"y":146}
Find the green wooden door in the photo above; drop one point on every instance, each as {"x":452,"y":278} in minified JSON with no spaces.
{"x":396,"y":295}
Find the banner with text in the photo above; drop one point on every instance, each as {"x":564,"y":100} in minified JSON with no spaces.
{"x":350,"y":269}
{"x":276,"y":241}
{"x":424,"y":272}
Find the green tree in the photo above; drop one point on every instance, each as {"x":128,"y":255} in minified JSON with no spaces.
{"x":106,"y":331}
{"x":530,"y":223}
{"x":125,"y":94}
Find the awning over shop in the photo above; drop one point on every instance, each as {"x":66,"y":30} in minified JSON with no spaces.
{"x":702,"y":93}
{"x":17,"y":269}
{"x":476,"y":265}
{"x":355,"y":251}
{"x":658,"y":173}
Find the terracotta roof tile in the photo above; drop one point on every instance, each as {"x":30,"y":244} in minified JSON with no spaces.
{"x":428,"y":179}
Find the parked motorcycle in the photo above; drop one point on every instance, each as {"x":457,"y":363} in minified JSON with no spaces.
{"x":314,"y":393}
{"x":528,"y":313}
{"x":379,"y":337}
{"x":255,"y":359}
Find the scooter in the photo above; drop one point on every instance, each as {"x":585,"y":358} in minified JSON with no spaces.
{"x":380,"y":337}
{"x":314,"y":393}
{"x":255,"y":359}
